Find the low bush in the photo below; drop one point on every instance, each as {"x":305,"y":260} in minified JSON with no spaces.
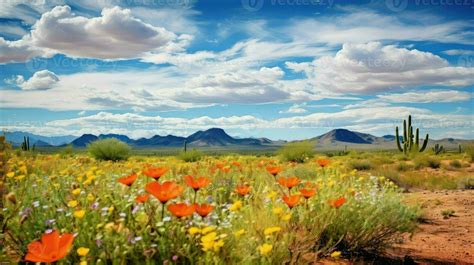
{"x":422,"y":161}
{"x":455,"y":164}
{"x":297,"y":151}
{"x":403,"y":166}
{"x":109,"y":149}
{"x":361,"y":165}
{"x":191,"y":155}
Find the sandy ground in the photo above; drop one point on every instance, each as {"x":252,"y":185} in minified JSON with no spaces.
{"x":441,"y":240}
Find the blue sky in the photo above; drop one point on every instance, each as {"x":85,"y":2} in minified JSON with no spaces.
{"x":283,"y":69}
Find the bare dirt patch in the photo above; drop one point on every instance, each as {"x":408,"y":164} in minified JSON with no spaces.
{"x":446,"y":235}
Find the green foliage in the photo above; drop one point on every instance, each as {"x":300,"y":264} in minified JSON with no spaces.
{"x":470,"y":152}
{"x":109,"y":149}
{"x":409,"y":141}
{"x":191,"y":156}
{"x":403,"y":166}
{"x":297,"y":151}
{"x":361,"y":165}
{"x":455,"y":164}
{"x":422,"y":161}
{"x":67,"y":150}
{"x":447,"y":213}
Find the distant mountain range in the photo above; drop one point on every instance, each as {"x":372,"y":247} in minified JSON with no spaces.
{"x":216,"y":137}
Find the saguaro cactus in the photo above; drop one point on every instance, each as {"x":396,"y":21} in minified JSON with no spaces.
{"x":410,"y":142}
{"x":185,"y":145}
{"x":438,"y":149}
{"x":25,"y":146}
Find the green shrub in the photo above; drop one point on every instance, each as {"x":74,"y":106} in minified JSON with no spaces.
{"x":361,"y":165}
{"x":191,"y":155}
{"x":67,"y":150}
{"x":403,"y":166}
{"x":455,"y":164}
{"x":297,"y":151}
{"x":470,"y":152}
{"x":422,"y":161}
{"x":109,"y":149}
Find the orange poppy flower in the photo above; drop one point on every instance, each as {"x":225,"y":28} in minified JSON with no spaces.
{"x":155,"y":172}
{"x":128,"y":180}
{"x":196,"y":183}
{"x":237,"y":164}
{"x":292,"y":200}
{"x":226,"y":169}
{"x":220,"y":165}
{"x":322,"y":162}
{"x":308,"y":193}
{"x":338,"y":202}
{"x":142,"y":198}
{"x":181,"y":209}
{"x":164,"y":192}
{"x":289,"y":182}
{"x":51,"y":248}
{"x":204,"y":209}
{"x":274,"y":170}
{"x":243,"y":190}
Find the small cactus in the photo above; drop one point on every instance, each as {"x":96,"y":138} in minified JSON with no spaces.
{"x":438,"y":149}
{"x":460,"y":150}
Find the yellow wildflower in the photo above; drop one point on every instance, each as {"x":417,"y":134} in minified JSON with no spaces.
{"x":208,"y":242}
{"x":194,"y":230}
{"x":90,"y":197}
{"x":76,"y":191}
{"x":239,"y":233}
{"x":277,"y":210}
{"x":10,"y":174}
{"x":111,"y":209}
{"x":207,"y":229}
{"x":237,"y":205}
{"x":79,"y":213}
{"x":72,"y":203}
{"x":272,"y":195}
{"x":336,"y":254}
{"x":20,"y":177}
{"x":82,"y":251}
{"x":286,"y":217}
{"x":83,"y":262}
{"x":265,"y":249}
{"x":271,"y":230}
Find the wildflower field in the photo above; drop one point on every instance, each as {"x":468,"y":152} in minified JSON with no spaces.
{"x":218,"y":210}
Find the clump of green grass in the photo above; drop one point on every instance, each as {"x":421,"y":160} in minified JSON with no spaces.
{"x":191,"y":155}
{"x":403,"y":166}
{"x":297,"y":151}
{"x":447,"y":213}
{"x":455,"y":164}
{"x":467,"y":183}
{"x":422,"y":161}
{"x":361,"y":165}
{"x":109,"y":149}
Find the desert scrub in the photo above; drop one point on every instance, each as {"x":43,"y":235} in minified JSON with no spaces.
{"x":361,"y":165}
{"x":191,"y":155}
{"x":109,"y":149}
{"x":297,"y":151}
{"x":403,"y":166}
{"x":455,"y":164}
{"x":422,"y":161}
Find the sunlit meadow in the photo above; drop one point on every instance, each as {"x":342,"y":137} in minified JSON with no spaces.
{"x":229,"y":209}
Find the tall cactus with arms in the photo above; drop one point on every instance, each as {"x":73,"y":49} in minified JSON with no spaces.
{"x":409,"y":141}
